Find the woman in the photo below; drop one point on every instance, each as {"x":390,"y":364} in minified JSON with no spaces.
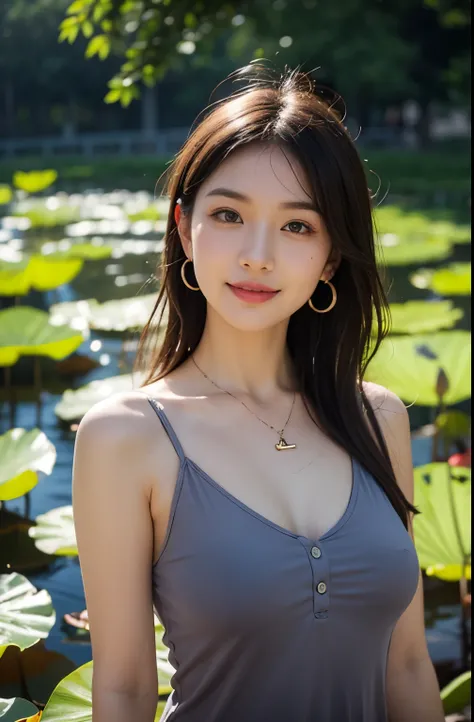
{"x":255,"y":490}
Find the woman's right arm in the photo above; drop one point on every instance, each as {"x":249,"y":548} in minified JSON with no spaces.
{"x":115,"y":541}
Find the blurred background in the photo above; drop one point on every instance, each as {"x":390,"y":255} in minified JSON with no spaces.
{"x":96,"y":97}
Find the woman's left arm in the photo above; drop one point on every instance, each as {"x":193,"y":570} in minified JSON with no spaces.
{"x":412,"y":687}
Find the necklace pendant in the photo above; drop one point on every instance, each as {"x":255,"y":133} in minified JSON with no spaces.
{"x":283,"y":446}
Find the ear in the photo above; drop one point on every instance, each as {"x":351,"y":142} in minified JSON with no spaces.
{"x":184,"y":230}
{"x":332,"y":264}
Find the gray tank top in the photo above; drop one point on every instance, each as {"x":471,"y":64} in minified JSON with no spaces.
{"x":264,"y":625}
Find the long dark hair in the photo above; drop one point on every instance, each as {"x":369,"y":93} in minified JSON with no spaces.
{"x":330,"y":352}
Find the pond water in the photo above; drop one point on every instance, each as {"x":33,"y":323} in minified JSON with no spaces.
{"x":126,"y":275}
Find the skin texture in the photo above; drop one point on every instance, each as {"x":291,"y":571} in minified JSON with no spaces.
{"x":124,"y":469}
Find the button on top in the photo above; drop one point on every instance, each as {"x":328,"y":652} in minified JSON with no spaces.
{"x":316,"y":552}
{"x":322,"y":588}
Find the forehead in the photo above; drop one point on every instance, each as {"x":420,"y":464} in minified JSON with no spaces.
{"x":260,"y":170}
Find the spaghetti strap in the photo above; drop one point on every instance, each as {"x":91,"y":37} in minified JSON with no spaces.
{"x":158,"y":408}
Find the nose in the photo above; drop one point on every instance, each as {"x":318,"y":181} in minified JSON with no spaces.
{"x":257,"y":253}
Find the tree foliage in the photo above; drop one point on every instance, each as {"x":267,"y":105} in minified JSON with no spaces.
{"x":374,"y":52}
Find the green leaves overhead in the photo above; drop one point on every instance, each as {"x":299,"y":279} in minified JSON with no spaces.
{"x":54,"y":532}
{"x":443,"y":530}
{"x":34,"y":181}
{"x":41,"y":273}
{"x":423,"y":316}
{"x":27,"y":331}
{"x":26,"y":615}
{"x":410,"y":366}
{"x":22,"y":455}
{"x":452,"y":280}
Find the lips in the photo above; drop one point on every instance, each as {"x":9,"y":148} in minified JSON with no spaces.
{"x":253,"y":292}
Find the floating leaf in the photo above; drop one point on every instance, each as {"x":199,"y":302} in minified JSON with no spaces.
{"x":26,"y":615}
{"x":22,"y":455}
{"x":34,"y":181}
{"x":16,"y":708}
{"x":453,"y":280}
{"x":456,"y":696}
{"x":410,"y":365}
{"x":5,"y":194}
{"x":395,"y":250}
{"x":453,"y":424}
{"x":443,"y":530}
{"x":54,"y":532}
{"x":117,"y":315}
{"x":74,"y":404}
{"x":26,"y":331}
{"x":42,"y":273}
{"x":423,"y":316}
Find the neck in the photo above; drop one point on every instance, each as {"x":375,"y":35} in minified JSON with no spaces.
{"x":256,"y":363}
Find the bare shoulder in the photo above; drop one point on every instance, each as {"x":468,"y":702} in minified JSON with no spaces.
{"x":383,"y":401}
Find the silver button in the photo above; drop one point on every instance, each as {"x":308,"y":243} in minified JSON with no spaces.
{"x":322,"y":588}
{"x":316,"y":552}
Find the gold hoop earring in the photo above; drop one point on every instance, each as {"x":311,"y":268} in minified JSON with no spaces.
{"x":193,"y":288}
{"x":331,"y":305}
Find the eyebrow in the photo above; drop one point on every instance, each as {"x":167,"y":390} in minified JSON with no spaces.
{"x":228,"y":193}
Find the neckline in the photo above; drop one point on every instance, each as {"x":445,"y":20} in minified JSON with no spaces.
{"x":309,"y":540}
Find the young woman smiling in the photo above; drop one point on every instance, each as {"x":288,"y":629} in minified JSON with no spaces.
{"x":255,"y":491}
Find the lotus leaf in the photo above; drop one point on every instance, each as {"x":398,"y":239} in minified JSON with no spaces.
{"x":26,"y":615}
{"x":423,"y":316}
{"x":453,"y":280}
{"x":22,"y":455}
{"x":75,"y":403}
{"x":390,"y":219}
{"x":456,"y":696}
{"x":27,"y":331}
{"x":54,"y":532}
{"x":16,"y":708}
{"x":40,"y":216}
{"x":34,"y":181}
{"x":453,"y":425}
{"x":5,"y":194}
{"x":396,"y":250}
{"x":409,"y":366}
{"x":118,"y":315}
{"x":443,"y":529}
{"x":42,"y":273}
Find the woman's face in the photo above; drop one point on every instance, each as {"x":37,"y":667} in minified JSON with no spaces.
{"x":253,"y":221}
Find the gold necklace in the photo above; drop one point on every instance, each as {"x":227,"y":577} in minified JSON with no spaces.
{"x":281,"y":445}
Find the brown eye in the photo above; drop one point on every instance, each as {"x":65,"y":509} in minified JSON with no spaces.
{"x":296,"y":226}
{"x":226,"y":215}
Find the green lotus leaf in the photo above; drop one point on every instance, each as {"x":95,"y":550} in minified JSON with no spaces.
{"x":86,"y":251}
{"x":393,"y":219}
{"x":34,"y":181}
{"x":22,"y":455}
{"x":395,"y":250}
{"x":75,"y":403}
{"x":26,"y":615}
{"x":26,"y":331}
{"x":456,"y":696}
{"x":453,"y":280}
{"x":409,"y":366}
{"x":42,"y":273}
{"x":443,"y":529}
{"x":16,"y":708}
{"x":453,"y":424}
{"x":118,"y":315}
{"x":5,"y":194}
{"x":423,"y":316}
{"x":40,"y":216}
{"x":54,"y":532}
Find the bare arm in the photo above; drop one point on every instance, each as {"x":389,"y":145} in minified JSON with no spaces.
{"x":115,"y":541}
{"x":412,"y":687}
